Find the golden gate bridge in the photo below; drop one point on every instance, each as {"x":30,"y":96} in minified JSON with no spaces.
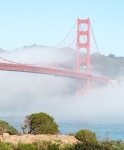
{"x":87,"y":77}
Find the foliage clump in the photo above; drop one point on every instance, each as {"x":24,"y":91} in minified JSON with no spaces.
{"x":5,"y":127}
{"x":111,"y":56}
{"x":47,"y":145}
{"x":41,"y":123}
{"x":89,"y":141}
{"x":86,"y":136}
{"x":5,"y":146}
{"x":24,"y":146}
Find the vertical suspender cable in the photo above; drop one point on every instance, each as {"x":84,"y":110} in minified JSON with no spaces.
{"x":98,"y":51}
{"x":67,"y":35}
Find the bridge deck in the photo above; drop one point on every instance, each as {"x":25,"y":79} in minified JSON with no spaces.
{"x":49,"y":71}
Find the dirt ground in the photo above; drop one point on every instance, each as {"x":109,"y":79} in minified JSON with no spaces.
{"x":32,"y":138}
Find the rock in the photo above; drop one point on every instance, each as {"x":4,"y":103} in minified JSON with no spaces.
{"x":64,"y":141}
{"x":6,"y":135}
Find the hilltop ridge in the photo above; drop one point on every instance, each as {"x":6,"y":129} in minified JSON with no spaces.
{"x":110,"y":65}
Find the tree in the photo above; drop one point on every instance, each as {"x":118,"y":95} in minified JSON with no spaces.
{"x":111,"y":55}
{"x":5,"y":127}
{"x":2,"y":127}
{"x":41,"y":123}
{"x":23,"y":127}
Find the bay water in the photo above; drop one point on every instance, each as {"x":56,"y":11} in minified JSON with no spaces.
{"x":105,"y":127}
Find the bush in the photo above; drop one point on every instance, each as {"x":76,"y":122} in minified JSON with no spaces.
{"x":46,"y":145}
{"x":115,"y":145}
{"x":53,"y":146}
{"x":39,"y":145}
{"x":68,"y":147}
{"x":23,"y":146}
{"x":41,"y":123}
{"x":5,"y":127}
{"x":5,"y":146}
{"x":99,"y":145}
{"x":89,"y":142}
{"x":91,"y":146}
{"x":86,"y":136}
{"x":111,"y":56}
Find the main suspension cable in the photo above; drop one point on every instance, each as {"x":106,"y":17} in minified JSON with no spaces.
{"x":98,"y":51}
{"x":66,"y":35}
{"x":72,"y":42}
{"x":39,"y":63}
{"x":18,"y":63}
{"x":76,"y":36}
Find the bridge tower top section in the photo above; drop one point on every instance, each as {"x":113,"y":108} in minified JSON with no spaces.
{"x":83,"y":45}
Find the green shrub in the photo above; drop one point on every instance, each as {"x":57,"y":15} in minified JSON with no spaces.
{"x":5,"y":146}
{"x":53,"y":146}
{"x":86,"y":136}
{"x":5,"y":127}
{"x":68,"y":147}
{"x":41,"y":123}
{"x":41,"y":145}
{"x":115,"y":145}
{"x":57,"y":141}
{"x":22,"y":146}
{"x":46,"y":145}
{"x":90,"y":146}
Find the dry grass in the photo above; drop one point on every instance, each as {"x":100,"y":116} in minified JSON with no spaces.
{"x":32,"y":138}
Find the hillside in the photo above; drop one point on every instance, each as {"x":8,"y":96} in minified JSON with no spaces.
{"x":113,"y":67}
{"x":2,"y":51}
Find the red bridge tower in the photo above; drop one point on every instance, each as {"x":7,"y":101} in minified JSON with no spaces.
{"x":84,"y":45}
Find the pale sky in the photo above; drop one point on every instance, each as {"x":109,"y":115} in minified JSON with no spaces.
{"x":46,"y":22}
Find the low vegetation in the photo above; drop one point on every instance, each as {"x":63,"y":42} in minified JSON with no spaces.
{"x":42,"y":123}
{"x":86,"y":136}
{"x":48,"y":145}
{"x":5,"y":127}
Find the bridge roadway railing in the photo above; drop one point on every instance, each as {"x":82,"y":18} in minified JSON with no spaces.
{"x":49,"y":71}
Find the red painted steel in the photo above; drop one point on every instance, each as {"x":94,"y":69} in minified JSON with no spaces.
{"x":49,"y":71}
{"x":85,"y":45}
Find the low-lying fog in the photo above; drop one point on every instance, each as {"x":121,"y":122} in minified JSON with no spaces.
{"x":26,"y":93}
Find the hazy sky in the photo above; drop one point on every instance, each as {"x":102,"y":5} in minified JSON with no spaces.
{"x":46,"y":22}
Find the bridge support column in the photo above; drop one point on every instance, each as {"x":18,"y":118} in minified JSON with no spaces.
{"x":88,"y":84}
{"x":83,"y":45}
{"x":81,"y":87}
